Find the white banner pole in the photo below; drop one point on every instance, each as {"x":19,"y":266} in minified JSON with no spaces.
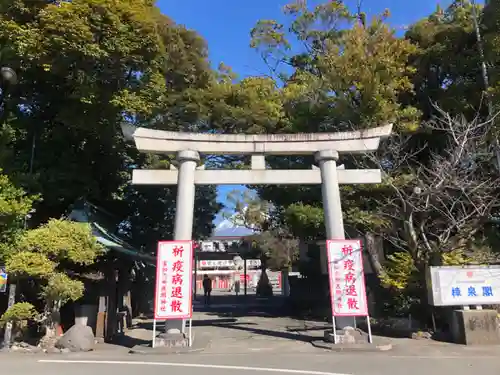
{"x":334,"y":330}
{"x":154,"y":333}
{"x":190,"y":333}
{"x":370,"y":338}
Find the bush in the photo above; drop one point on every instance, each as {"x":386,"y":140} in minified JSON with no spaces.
{"x":19,"y":312}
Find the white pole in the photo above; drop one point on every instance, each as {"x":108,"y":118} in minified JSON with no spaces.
{"x":370,"y":338}
{"x":334,"y":330}
{"x":190,"y":334}
{"x":154,"y":333}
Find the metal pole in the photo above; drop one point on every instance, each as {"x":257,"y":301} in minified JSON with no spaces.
{"x":154,"y":333}
{"x":195,"y":273}
{"x":370,"y":338}
{"x":8,"y":77}
{"x":245,"y":274}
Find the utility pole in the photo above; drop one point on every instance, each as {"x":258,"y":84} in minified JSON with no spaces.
{"x":8,"y":78}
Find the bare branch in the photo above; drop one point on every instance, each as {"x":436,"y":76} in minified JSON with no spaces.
{"x":438,"y":198}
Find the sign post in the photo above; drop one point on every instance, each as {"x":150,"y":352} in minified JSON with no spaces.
{"x":174,"y":279}
{"x":347,"y":281}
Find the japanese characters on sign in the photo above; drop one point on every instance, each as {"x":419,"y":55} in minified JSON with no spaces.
{"x":347,"y":282}
{"x":174,"y":270}
{"x":463,"y":286}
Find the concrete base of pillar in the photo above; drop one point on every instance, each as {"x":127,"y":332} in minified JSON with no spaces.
{"x":475,"y":327}
{"x":347,"y":336}
{"x":171,"y":340}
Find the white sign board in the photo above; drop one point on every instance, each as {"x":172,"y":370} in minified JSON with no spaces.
{"x":174,"y":269}
{"x":347,"y":280}
{"x":251,"y":263}
{"x":464,"y":286}
{"x":207,"y":246}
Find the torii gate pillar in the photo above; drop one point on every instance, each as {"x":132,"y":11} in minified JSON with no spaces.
{"x":184,"y":210}
{"x":334,"y":222}
{"x":332,"y":208}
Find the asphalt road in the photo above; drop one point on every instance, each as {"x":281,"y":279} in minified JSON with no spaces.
{"x":200,"y":364}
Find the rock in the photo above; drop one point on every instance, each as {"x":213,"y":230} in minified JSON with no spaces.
{"x":420,"y":335}
{"x":78,"y":338}
{"x":47,"y":342}
{"x":23,"y":347}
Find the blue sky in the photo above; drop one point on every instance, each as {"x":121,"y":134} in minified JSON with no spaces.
{"x":226,"y":24}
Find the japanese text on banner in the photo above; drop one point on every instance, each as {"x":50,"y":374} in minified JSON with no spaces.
{"x":346,"y":278}
{"x":174,"y":278}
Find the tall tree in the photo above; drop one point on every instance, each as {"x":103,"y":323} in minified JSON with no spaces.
{"x":84,"y":68}
{"x":448,"y":66}
{"x":339,"y":72}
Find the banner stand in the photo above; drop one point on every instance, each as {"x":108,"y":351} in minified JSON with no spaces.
{"x":173,"y":299}
{"x":347,"y":283}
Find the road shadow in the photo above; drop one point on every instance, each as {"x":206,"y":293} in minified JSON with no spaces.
{"x":128,"y":341}
{"x":290,"y":335}
{"x":305,"y":328}
{"x":227,"y":306}
{"x":196,"y":323}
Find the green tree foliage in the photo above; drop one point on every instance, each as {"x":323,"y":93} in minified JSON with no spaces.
{"x":48,"y":254}
{"x":271,"y":240}
{"x":85,"y":67}
{"x":15,"y":205}
{"x":447,"y":65}
{"x":346,"y":73}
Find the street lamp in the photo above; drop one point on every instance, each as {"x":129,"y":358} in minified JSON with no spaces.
{"x":8,"y":76}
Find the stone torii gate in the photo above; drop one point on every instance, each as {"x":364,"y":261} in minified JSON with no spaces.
{"x":188,"y":171}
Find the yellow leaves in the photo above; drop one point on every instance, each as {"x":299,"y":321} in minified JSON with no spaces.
{"x":269,"y":34}
{"x":399,"y":271}
{"x":19,"y":312}
{"x":456,"y":258}
{"x":61,"y":239}
{"x":29,"y":264}
{"x":61,"y":288}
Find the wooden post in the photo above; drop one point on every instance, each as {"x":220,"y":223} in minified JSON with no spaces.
{"x":111,"y":303}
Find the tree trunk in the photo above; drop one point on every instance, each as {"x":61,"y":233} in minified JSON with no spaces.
{"x":373,"y":253}
{"x":375,"y":291}
{"x":53,"y":319}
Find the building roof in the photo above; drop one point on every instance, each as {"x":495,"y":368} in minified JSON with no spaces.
{"x":103,"y":228}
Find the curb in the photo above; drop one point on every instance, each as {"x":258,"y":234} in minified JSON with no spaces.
{"x":146,"y":350}
{"x":199,"y":346}
{"x":366,"y":348}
